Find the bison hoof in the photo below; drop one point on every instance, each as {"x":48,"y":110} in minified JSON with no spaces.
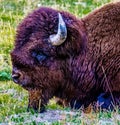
{"x":105,"y":102}
{"x":42,"y":109}
{"x":36,"y":110}
{"x":75,"y":104}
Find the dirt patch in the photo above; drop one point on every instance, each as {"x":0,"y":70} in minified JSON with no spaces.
{"x":61,"y":117}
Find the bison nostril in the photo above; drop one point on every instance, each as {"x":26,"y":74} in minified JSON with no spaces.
{"x":15,"y":77}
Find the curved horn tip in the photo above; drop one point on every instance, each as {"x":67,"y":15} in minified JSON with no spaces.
{"x":61,"y":21}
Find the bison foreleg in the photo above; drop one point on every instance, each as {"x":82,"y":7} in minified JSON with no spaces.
{"x":35,"y":101}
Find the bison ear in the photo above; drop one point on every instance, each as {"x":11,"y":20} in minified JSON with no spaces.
{"x":60,"y":37}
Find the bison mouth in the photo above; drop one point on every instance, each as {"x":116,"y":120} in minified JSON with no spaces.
{"x":25,"y":84}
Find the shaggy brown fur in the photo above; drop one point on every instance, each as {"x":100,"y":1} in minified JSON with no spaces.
{"x":84,"y":69}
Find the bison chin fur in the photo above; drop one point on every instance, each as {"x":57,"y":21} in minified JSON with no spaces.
{"x":82,"y":69}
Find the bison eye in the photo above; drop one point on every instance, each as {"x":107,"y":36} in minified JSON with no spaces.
{"x":39,"y":56}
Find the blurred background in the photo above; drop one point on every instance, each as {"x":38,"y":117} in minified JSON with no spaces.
{"x":13,"y":99}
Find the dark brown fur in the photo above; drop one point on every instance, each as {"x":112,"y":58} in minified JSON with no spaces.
{"x":84,"y":66}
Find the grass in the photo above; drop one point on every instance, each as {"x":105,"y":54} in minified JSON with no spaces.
{"x":13,"y":99}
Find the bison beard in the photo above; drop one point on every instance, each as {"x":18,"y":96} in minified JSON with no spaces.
{"x":76,"y":60}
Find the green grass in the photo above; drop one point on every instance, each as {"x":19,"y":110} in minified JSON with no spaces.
{"x":13,"y":99}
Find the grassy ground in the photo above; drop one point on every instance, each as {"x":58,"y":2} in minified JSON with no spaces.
{"x":13,"y":99}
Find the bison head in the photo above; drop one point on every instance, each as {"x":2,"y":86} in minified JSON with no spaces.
{"x":46,"y":41}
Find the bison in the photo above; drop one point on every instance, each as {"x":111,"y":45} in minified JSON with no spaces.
{"x":76,"y":60}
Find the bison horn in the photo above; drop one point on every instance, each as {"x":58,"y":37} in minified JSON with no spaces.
{"x":60,"y":37}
